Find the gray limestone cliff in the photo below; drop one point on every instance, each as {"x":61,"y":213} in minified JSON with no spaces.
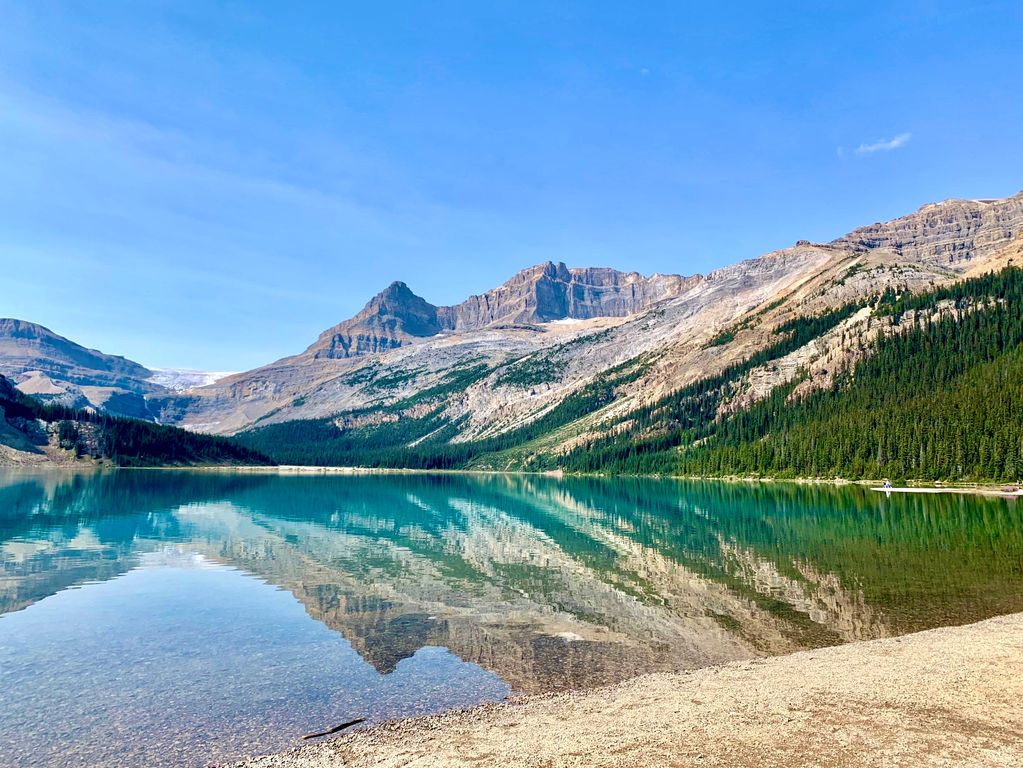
{"x":540,"y":294}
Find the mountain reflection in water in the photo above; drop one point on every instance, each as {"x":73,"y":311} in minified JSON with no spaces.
{"x":550,"y":583}
{"x":546,"y":583}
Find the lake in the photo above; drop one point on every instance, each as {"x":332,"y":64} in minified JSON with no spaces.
{"x":158,"y":617}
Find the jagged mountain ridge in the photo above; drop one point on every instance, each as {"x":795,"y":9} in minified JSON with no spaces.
{"x":540,"y":294}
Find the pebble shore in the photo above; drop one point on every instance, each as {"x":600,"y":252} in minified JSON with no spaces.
{"x":945,"y":697}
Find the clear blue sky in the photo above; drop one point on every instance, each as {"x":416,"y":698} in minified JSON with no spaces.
{"x":210,"y":185}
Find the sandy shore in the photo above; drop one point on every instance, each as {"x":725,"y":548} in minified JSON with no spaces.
{"x":946,"y":697}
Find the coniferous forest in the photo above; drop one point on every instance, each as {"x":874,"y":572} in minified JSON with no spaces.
{"x":939,"y":402}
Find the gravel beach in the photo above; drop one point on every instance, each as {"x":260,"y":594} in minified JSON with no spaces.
{"x":945,"y":697}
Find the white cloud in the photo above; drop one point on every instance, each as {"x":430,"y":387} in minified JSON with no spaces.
{"x":884,"y":145}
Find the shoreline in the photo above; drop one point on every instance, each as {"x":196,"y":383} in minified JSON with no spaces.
{"x":999,"y":490}
{"x":942,"y":697}
{"x":1002,"y":490}
{"x":983,"y":489}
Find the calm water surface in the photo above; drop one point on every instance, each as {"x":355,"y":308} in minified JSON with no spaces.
{"x":184,"y":618}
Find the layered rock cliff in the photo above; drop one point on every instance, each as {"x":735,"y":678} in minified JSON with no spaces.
{"x":951,"y":234}
{"x":549,"y":292}
{"x":540,"y":294}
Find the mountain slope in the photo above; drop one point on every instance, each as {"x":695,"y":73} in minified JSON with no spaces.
{"x":936,"y":396}
{"x":495,"y":375}
{"x":32,"y":432}
{"x":45,"y":364}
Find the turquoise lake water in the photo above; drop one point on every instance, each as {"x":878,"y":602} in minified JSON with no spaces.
{"x":188,"y":618}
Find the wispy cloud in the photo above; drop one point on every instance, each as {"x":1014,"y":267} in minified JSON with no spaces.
{"x":884,"y":145}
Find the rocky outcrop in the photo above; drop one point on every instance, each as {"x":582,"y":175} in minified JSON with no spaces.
{"x":540,"y":294}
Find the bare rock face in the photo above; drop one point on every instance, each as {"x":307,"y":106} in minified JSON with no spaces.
{"x":540,"y":294}
{"x":549,"y":292}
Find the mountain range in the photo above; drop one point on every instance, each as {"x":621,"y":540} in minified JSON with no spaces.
{"x":557,"y":357}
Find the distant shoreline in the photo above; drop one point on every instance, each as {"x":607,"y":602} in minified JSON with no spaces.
{"x":1006,"y":490}
{"x":1001,"y":490}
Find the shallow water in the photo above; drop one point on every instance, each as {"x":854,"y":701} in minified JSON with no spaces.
{"x":186,"y":618}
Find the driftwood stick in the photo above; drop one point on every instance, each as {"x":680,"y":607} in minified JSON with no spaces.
{"x":335,"y":729}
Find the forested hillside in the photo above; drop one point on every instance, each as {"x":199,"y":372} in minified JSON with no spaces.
{"x":939,"y":397}
{"x":30,"y":427}
{"x":940,"y":401}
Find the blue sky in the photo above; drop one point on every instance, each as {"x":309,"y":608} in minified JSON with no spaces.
{"x":200,"y":184}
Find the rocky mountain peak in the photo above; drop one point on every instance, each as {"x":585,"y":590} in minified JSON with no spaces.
{"x":539,"y":294}
{"x":393,"y":317}
{"x":397,"y":289}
